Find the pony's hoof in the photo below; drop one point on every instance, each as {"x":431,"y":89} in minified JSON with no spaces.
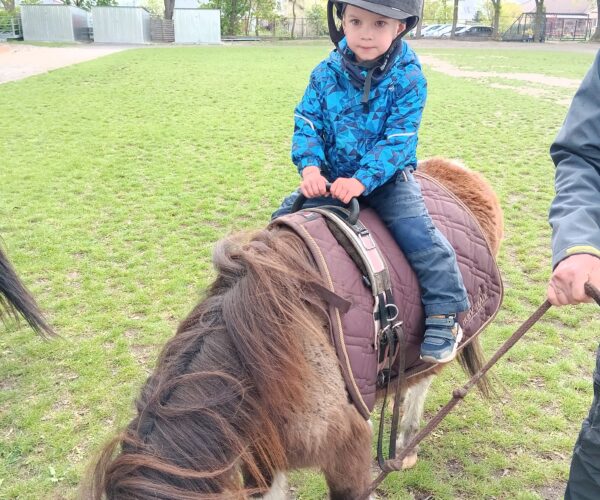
{"x":409,"y":462}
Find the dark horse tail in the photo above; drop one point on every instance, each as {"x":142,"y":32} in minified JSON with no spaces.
{"x":210,"y":419}
{"x":16,"y":301}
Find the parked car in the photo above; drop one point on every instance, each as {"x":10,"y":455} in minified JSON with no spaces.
{"x":475,"y":31}
{"x":431,"y":31}
{"x":445,"y":32}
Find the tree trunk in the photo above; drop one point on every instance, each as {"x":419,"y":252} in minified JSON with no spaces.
{"x":539,"y":23}
{"x":293,"y":18}
{"x":496,"y":21}
{"x":454,"y":19}
{"x":169,"y":5}
{"x":420,"y":23}
{"x":233,"y":18}
{"x":9,"y":5}
{"x":248,"y":18}
{"x":596,"y":35}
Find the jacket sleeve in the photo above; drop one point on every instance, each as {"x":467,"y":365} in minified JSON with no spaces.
{"x":575,"y":210}
{"x":397,"y":149}
{"x":307,"y":142}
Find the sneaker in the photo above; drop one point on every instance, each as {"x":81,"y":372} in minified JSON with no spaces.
{"x":442,"y":336}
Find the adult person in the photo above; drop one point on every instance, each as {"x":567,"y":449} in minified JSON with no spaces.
{"x":575,"y":221}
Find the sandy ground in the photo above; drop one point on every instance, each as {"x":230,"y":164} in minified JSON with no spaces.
{"x":19,"y":61}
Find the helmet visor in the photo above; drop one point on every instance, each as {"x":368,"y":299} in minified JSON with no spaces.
{"x":384,"y":8}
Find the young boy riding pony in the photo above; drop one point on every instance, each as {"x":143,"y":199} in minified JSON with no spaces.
{"x":356,"y":128}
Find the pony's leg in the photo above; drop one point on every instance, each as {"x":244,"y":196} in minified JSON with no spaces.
{"x":348,"y":458}
{"x":279,"y":488}
{"x":411,"y":418}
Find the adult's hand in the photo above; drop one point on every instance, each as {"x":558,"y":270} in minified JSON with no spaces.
{"x":313,"y":183}
{"x":568,"y":278}
{"x":345,"y":189}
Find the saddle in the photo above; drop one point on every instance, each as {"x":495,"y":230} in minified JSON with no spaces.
{"x":356,"y":332}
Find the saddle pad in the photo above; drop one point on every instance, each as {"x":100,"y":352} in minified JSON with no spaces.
{"x":353,"y":333}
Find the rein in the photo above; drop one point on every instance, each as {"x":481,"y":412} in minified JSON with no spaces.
{"x":459,"y":393}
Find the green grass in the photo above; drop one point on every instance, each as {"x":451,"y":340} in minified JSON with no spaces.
{"x":118,"y":175}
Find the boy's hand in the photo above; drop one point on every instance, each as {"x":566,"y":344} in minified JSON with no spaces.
{"x":313,"y":183}
{"x":346,"y":189}
{"x":566,"y":283}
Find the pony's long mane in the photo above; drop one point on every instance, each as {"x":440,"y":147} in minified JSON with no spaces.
{"x":15,"y":299}
{"x":209,"y":418}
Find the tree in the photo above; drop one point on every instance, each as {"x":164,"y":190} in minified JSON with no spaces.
{"x":420,"y":23}
{"x":497,"y":8}
{"x":263,"y":9}
{"x":232,"y":12}
{"x":454,"y":19}
{"x":293,"y":18}
{"x":442,"y":13}
{"x":510,"y":12}
{"x":88,"y":4}
{"x":317,"y":19}
{"x":169,"y":6}
{"x":540,"y":21}
{"x":9,"y":5}
{"x":596,"y":35}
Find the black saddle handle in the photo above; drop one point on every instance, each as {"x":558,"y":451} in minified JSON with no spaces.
{"x":353,"y":205}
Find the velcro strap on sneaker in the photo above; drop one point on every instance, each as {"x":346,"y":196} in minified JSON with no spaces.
{"x":440,"y":333}
{"x":448,"y":321}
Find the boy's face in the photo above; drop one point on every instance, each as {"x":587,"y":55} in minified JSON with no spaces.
{"x":368,"y":34}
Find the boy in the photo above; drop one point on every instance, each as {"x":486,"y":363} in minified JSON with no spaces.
{"x":356,"y":127}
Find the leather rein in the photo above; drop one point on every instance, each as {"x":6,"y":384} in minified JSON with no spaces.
{"x":458,"y":394}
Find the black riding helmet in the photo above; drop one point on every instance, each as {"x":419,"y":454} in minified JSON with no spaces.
{"x":407,"y":11}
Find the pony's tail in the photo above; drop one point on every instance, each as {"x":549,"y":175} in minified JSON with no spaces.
{"x":16,"y":301}
{"x":211,"y":419}
{"x":472,"y":359}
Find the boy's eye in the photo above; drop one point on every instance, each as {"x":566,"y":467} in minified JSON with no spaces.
{"x":380,"y":24}
{"x":354,"y":22}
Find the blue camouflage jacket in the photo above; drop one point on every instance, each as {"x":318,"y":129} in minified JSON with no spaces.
{"x":336,"y":133}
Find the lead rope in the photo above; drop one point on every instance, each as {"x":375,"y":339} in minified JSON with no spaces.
{"x":460,"y":393}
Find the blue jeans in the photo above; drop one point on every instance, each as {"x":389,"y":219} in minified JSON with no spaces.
{"x":584,"y":477}
{"x":400,"y":205}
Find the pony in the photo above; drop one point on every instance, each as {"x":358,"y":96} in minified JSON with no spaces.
{"x":249,"y":387}
{"x":16,"y":301}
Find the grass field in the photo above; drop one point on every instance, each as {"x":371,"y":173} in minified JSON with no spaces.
{"x":118,"y":175}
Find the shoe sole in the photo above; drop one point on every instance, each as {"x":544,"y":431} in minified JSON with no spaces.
{"x":450,"y":357}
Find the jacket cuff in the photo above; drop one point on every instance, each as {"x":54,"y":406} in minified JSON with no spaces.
{"x":574,"y":250}
{"x":366,"y":179}
{"x":308,"y":161}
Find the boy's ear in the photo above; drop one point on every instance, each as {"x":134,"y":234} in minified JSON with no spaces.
{"x":401,"y":27}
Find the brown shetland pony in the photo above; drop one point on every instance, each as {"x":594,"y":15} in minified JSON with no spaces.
{"x":16,"y":301}
{"x":249,"y":387}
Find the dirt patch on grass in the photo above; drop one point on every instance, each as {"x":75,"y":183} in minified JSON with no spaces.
{"x":19,"y":61}
{"x":547,"y":89}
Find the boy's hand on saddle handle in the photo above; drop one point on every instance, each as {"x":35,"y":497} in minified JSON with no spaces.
{"x":345,"y":189}
{"x":313,"y":183}
{"x":569,"y":277}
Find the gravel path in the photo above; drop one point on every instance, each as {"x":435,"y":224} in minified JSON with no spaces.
{"x":19,"y":61}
